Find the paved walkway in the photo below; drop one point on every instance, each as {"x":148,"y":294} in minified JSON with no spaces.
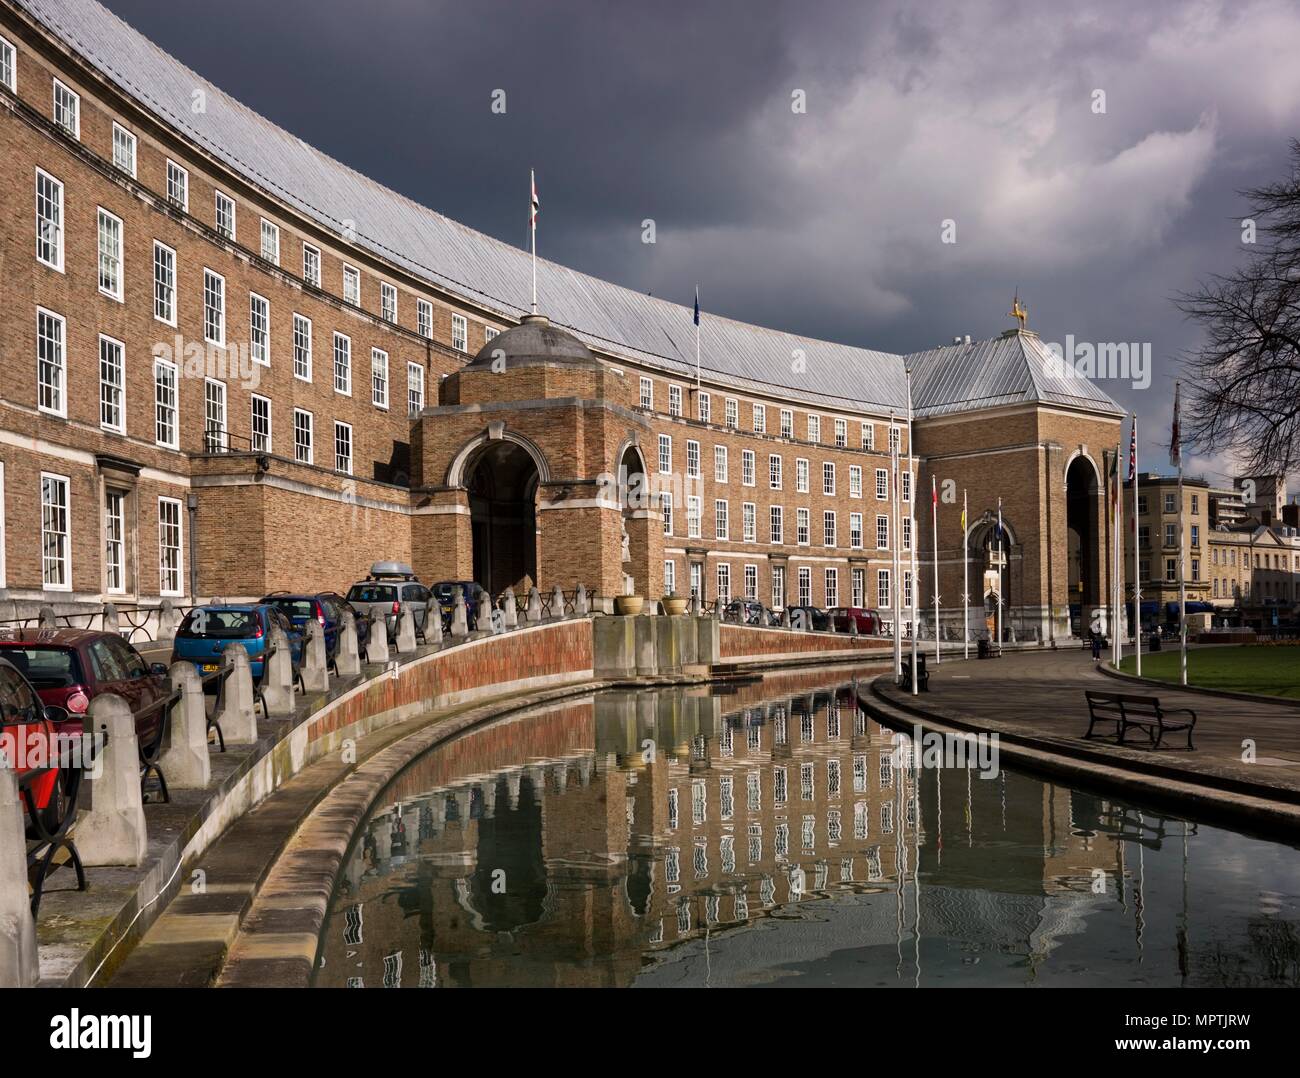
{"x":1039,"y":695}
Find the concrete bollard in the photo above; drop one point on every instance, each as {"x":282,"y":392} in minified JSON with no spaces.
{"x":19,"y":965}
{"x":112,"y":622}
{"x":277,"y":674}
{"x":46,"y":618}
{"x":459,"y":616}
{"x":348,"y":658}
{"x":405,"y":630}
{"x":510,"y":609}
{"x":534,"y":612}
{"x":557,"y":602}
{"x":433,"y":625}
{"x":315,"y":658}
{"x":695,"y":609}
{"x":853,"y":625}
{"x":377,"y":641}
{"x":483,"y":615}
{"x":581,"y":607}
{"x":718,"y":609}
{"x":184,"y":758}
{"x":168,"y":622}
{"x":113,"y":831}
{"x":785,"y":617}
{"x":236,"y":712}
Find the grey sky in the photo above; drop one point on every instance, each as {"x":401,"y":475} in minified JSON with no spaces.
{"x":826,"y":223}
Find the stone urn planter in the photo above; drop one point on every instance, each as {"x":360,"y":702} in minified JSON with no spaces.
{"x":628,"y":605}
{"x":674,"y":604}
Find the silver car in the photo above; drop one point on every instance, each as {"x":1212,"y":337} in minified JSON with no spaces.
{"x":389,"y":584}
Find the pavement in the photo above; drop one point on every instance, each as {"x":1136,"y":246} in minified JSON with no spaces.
{"x":1036,"y":699}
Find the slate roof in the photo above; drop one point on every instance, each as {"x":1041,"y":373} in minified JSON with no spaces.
{"x":485,"y":271}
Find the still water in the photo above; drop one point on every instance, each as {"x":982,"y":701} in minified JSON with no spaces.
{"x":775,"y":835}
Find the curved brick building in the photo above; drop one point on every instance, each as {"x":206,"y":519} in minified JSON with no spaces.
{"x":229,"y":364}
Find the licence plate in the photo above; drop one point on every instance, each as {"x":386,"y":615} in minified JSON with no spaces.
{"x":209,"y":667}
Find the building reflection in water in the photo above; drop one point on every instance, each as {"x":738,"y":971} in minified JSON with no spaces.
{"x":771,"y":834}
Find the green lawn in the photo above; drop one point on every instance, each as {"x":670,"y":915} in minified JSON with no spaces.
{"x":1273,"y":671}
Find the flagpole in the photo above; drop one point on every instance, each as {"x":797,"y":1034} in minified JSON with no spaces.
{"x":697,"y":350}
{"x":1137,"y":564}
{"x":532,"y":222}
{"x":965,"y":577}
{"x":1177,"y":448}
{"x":998,"y":610}
{"x":911,"y":526}
{"x":934,"y":510}
{"x":895,"y":540}
{"x":1119,"y":550}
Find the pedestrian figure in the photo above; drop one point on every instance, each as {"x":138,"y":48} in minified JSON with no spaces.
{"x":1096,"y":647}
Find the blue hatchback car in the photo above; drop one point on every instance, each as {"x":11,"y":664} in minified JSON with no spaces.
{"x":326,"y":607}
{"x":207,"y":630}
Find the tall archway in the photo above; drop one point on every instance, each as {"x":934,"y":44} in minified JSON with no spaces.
{"x":636,"y":513}
{"x":1083,"y":541}
{"x":502,"y":480}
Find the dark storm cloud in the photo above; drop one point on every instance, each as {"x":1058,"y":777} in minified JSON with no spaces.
{"x":826,"y":223}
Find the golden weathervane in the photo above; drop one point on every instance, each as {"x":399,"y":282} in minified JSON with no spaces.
{"x":1018,"y":312}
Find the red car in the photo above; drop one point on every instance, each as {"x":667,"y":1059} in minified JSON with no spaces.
{"x":868,"y":620}
{"x":70,"y":667}
{"x":27,"y":732}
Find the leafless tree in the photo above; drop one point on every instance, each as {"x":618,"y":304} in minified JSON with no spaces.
{"x":1244,"y":378}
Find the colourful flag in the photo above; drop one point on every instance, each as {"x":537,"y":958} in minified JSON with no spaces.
{"x":1133,"y":449}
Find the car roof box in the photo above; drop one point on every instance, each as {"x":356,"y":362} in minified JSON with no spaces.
{"x":391,"y":568}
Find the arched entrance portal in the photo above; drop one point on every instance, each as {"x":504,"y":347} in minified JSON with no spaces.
{"x":502,"y":483}
{"x":1083,"y":546}
{"x":636,"y":514}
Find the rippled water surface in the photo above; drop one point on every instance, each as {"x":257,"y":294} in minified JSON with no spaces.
{"x":774,"y":835}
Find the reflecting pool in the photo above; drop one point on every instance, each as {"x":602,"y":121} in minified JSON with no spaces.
{"x":775,"y":834}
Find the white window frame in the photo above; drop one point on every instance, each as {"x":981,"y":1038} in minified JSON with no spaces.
{"x":721,"y":519}
{"x":670,"y":576}
{"x":9,"y":58}
{"x":828,"y":478}
{"x":174,"y":506}
{"x":311,"y":264}
{"x":261,"y":442}
{"x":776,"y":525}
{"x":731,"y":413}
{"x":692,"y":459}
{"x":666,"y":510}
{"x":164,"y":291}
{"x":379,"y":378}
{"x":388,"y":301}
{"x":56,"y":390}
{"x":74,"y":100}
{"x":125,"y":140}
{"x":424,"y":318}
{"x":674,"y":400}
{"x":164,"y":365}
{"x":869,"y":436}
{"x":841,"y":433}
{"x":665,"y":454}
{"x":750,"y":577}
{"x":804,"y":585}
{"x":110,"y":223}
{"x":884,"y":592}
{"x":814,"y":429}
{"x":64,"y":560}
{"x":704,"y":408}
{"x":882,"y":531}
{"x":787,"y":423}
{"x":749,"y":522}
{"x":855,"y":531}
{"x":830,"y":528}
{"x":414,"y":389}
{"x":352,"y":274}
{"x":178,"y":178}
{"x":760,"y":418}
{"x":460,"y":333}
{"x":646,"y":399}
{"x":775,"y":471}
{"x":304,"y":453}
{"x":694,"y":510}
{"x":342,"y":371}
{"x":802,"y":527}
{"x":855,"y":480}
{"x":214,"y":285}
{"x":720,"y":464}
{"x":343,"y":463}
{"x":269,"y":241}
{"x":259,"y":309}
{"x":882,"y":484}
{"x":112,"y":394}
{"x":831,"y":586}
{"x":216,"y":425}
{"x":42,"y":233}
{"x":221,"y":201}
{"x":115,"y":541}
{"x":778,"y":587}
{"x":302,"y":347}
{"x":724,"y":582}
{"x":748,"y":464}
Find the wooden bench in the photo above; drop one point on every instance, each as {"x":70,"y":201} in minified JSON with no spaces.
{"x":1144,"y":712}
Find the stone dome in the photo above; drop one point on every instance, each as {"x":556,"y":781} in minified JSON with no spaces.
{"x":534,"y":341}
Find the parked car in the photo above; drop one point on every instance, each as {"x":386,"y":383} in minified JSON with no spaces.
{"x":28,"y":732}
{"x":810,"y":615}
{"x":207,"y":630}
{"x":390,"y":584}
{"x":70,"y":667}
{"x":326,"y":607}
{"x":749,"y":612}
{"x":444,"y":594}
{"x":868,"y":620}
